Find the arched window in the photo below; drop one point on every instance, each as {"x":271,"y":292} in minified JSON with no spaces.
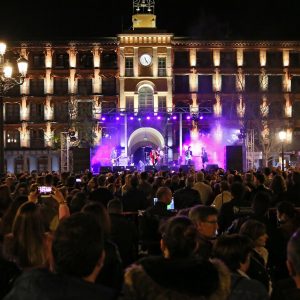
{"x":145,"y":98}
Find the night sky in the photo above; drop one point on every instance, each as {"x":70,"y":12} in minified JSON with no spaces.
{"x":207,"y":20}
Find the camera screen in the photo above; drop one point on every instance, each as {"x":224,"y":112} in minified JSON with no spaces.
{"x":171,"y":205}
{"x":154,"y":200}
{"x":78,"y":180}
{"x":45,"y":189}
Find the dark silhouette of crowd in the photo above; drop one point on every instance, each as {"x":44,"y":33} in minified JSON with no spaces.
{"x":150,"y":235}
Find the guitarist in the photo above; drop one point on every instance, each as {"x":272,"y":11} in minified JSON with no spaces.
{"x":114,"y":157}
{"x":188,"y":156}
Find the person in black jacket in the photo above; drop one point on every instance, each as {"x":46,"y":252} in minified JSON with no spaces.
{"x":76,"y":265}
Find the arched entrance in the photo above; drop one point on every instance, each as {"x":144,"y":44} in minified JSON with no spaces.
{"x":141,"y":141}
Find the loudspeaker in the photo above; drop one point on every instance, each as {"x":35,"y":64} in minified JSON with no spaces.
{"x":118,"y":168}
{"x":234,"y":158}
{"x":105,"y":169}
{"x":164,"y":168}
{"x":150,"y":169}
{"x":130,"y":168}
{"x":211,"y":167}
{"x":81,"y":159}
{"x":185,"y":168}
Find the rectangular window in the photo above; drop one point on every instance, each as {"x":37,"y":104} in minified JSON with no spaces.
{"x":162,"y":104}
{"x":275,"y":84}
{"x":61,"y":112}
{"x":12,"y":139}
{"x":252,"y":110}
{"x":85,"y":87}
{"x":181,"y":84}
{"x":36,"y":112}
{"x":276,"y":110}
{"x":228,"y":59}
{"x":85,"y":60}
{"x":204,"y":59}
{"x":162,"y":71}
{"x":252,"y":83}
{"x":228,"y":84}
{"x":181,"y":59}
{"x":109,"y":86}
{"x":36,"y":87}
{"x":109,"y":60}
{"x":61,"y":61}
{"x":294,"y":59}
{"x":12,"y":112}
{"x":128,"y":66}
{"x":251,"y":59}
{"x":205,"y":84}
{"x":61,"y":86}
{"x":295,"y":84}
{"x":274,"y":59}
{"x":37,"y":138}
{"x":38,"y":61}
{"x":130,"y":104}
{"x":85,"y":110}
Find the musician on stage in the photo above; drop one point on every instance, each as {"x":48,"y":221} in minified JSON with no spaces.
{"x":188,"y":156}
{"x":204,"y":157}
{"x":154,"y":156}
{"x":114,"y":157}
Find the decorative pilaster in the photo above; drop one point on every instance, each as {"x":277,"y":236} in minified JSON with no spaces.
{"x":48,"y":57}
{"x":194,"y":109}
{"x":136,"y":103}
{"x":122,"y":94}
{"x":193,"y":81}
{"x":285,"y":58}
{"x":72,"y":56}
{"x":97,"y":107}
{"x":264,"y":107}
{"x":96,"y":56}
{"x":263,"y":80}
{"x":24,"y":88}
{"x":240,"y":80}
{"x":48,"y":109}
{"x":155,"y":62}
{"x":135,"y":62}
{"x":288,"y":108}
{"x":48,"y":135}
{"x":217,"y":81}
{"x":121,"y":61}
{"x":216,"y":57}
{"x":240,"y":57}
{"x":155,"y":103}
{"x":241,"y":107}
{"x":24,"y":109}
{"x":169,"y":95}
{"x":287,"y":81}
{"x":24,"y":135}
{"x":48,"y":81}
{"x":169,"y":62}
{"x":263,"y":57}
{"x":193,"y":57}
{"x":72,"y":82}
{"x":97,"y":82}
{"x":217,"y":106}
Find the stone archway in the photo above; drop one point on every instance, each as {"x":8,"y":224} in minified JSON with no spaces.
{"x":143,"y":137}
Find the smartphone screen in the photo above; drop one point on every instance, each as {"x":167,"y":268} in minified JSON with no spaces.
{"x":171,"y":205}
{"x":45,"y":189}
{"x":78,"y":180}
{"x":154,"y":200}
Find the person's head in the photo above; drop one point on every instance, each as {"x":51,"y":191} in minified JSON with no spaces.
{"x":49,"y":179}
{"x":134,"y":182}
{"x":97,"y":211}
{"x":278,"y":184}
{"x":237,"y":190}
{"x":205,"y":219}
{"x":285,"y":211}
{"x":77,"y":202}
{"x":261,"y":203}
{"x":200,"y":176}
{"x":178,"y":237}
{"x":259,"y":178}
{"x":293,"y":254}
{"x":115,"y":206}
{"x":101,"y":180}
{"x":256,"y":231}
{"x":5,"y":198}
{"x":164,"y":194}
{"x":190,"y":180}
{"x":224,"y":186}
{"x":296,"y":177}
{"x":28,"y":236}
{"x":78,"y":247}
{"x":234,"y":250}
{"x":144,"y":176}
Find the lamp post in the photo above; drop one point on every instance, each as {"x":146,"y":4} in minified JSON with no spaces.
{"x":7,"y":82}
{"x":282,"y":138}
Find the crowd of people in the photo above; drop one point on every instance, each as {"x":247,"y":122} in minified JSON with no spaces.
{"x":117,"y":236}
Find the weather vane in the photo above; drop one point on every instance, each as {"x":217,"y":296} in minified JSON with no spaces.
{"x":143,"y":6}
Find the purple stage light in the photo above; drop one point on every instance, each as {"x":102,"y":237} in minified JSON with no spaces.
{"x":174,"y":117}
{"x":148,"y":118}
{"x":158,"y":118}
{"x":117,"y":118}
{"x":103,"y":118}
{"x":131,"y":118}
{"x":201,"y":117}
{"x":139,"y":119}
{"x":188,"y":117}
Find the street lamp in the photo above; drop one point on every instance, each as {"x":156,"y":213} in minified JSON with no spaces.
{"x":282,"y":138}
{"x":7,"y":82}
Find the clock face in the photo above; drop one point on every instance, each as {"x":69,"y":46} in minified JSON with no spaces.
{"x":145,"y":59}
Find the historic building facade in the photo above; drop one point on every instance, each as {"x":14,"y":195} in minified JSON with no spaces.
{"x":147,"y":73}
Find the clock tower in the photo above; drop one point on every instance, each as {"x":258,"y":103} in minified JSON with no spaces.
{"x":145,"y":64}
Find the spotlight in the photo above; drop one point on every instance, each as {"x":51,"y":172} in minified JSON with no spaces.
{"x":131,"y":118}
{"x":139,"y":119}
{"x":174,"y":117}
{"x":158,"y":117}
{"x":148,"y":118}
{"x":201,"y":117}
{"x":103,"y":118}
{"x":188,"y":117}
